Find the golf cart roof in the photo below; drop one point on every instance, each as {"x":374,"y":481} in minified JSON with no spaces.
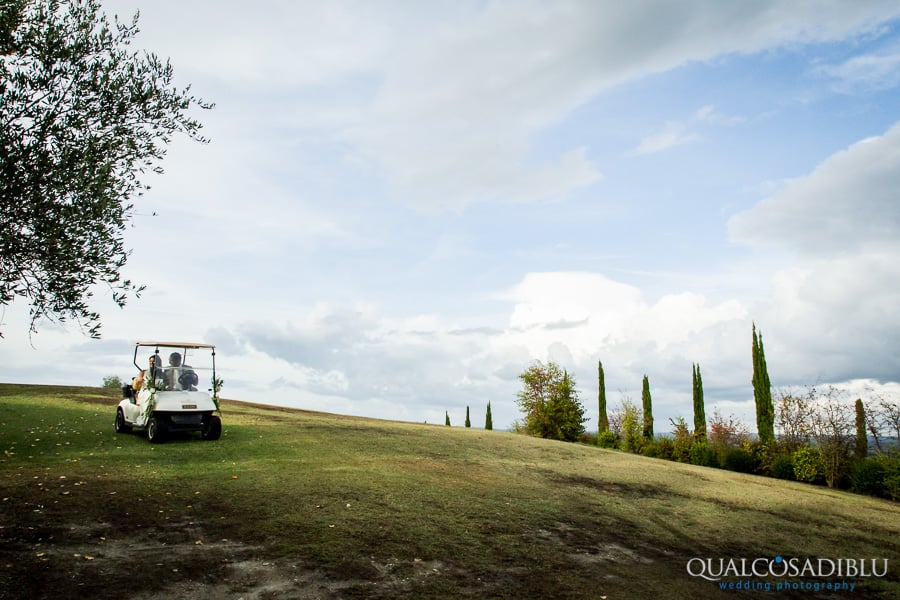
{"x":175,"y":344}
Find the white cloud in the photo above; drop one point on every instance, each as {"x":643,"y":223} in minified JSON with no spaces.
{"x":869,"y":72}
{"x":449,"y":114}
{"x":674,"y":134}
{"x":331,"y":355}
{"x":709,"y":114}
{"x":848,"y":202}
{"x":825,"y":317}
{"x":836,"y":318}
{"x":456,"y":117}
{"x":277,"y":45}
{"x":835,"y":309}
{"x":613,"y":322}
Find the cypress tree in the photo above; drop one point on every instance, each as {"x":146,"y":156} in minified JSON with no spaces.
{"x":648,"y":409}
{"x":446,"y":418}
{"x":762,"y":392}
{"x":862,"y":439}
{"x":699,"y":409}
{"x":468,"y":422}
{"x":604,"y":420}
{"x":488,"y":420}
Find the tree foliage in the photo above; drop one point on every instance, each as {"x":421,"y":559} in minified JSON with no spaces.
{"x":683,"y":440}
{"x":823,"y":437}
{"x":112,"y":382}
{"x":861,"y":449}
{"x":867,"y":477}
{"x":550,"y":403}
{"x":807,"y":464}
{"x":699,"y":408}
{"x":890,"y":416}
{"x":725,"y":432}
{"x":832,"y":429}
{"x":603,"y":424}
{"x":762,"y":392}
{"x":883,"y":419}
{"x":794,"y":414}
{"x":488,"y":418}
{"x":703,"y":455}
{"x":647,"y":403}
{"x":82,"y":119}
{"x":630,"y":420}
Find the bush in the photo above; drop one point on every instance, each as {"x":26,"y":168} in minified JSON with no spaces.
{"x":660,"y":447}
{"x":632,"y":438}
{"x":766,"y":455}
{"x":665,"y":447}
{"x":681,"y":441}
{"x":740,"y":460}
{"x":112,"y":382}
{"x":607,"y":439}
{"x":703,"y":454}
{"x":867,"y":477}
{"x":891,"y":476}
{"x":633,"y":443}
{"x":783,"y":467}
{"x":681,"y":449}
{"x":808,"y":465}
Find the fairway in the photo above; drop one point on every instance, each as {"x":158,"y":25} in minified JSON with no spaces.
{"x":295,"y":504}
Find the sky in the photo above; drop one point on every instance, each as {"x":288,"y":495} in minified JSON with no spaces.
{"x":404,"y":204}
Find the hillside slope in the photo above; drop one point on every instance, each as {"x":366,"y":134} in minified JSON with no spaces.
{"x":293,"y":504}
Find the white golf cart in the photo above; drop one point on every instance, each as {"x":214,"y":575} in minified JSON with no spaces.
{"x":164,"y":397}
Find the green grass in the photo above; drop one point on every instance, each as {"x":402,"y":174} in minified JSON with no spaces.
{"x":379,"y":508}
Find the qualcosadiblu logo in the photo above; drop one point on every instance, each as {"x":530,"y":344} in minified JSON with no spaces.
{"x":714,"y":569}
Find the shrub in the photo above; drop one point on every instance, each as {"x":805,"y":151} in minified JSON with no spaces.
{"x":740,"y":460}
{"x":665,"y":448}
{"x":660,"y":447}
{"x":632,"y":438}
{"x":703,"y":454}
{"x":782,"y":467}
{"x":626,"y":442}
{"x":112,"y":382}
{"x":766,"y":455}
{"x":867,"y":477}
{"x":633,"y":443}
{"x":808,"y":465}
{"x":892,"y":476}
{"x":607,"y":439}
{"x":681,"y":445}
{"x":681,"y":449}
{"x":725,"y":432}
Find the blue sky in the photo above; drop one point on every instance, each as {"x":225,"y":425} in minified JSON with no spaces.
{"x":404,"y":204}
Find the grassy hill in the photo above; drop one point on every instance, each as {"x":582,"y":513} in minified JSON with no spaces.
{"x":295,"y":504}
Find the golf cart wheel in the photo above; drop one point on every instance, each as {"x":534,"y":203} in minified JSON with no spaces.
{"x":213,"y":429}
{"x":155,"y":430}
{"x":121,"y":425}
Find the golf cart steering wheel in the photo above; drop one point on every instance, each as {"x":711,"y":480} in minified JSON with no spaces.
{"x":187,"y":380}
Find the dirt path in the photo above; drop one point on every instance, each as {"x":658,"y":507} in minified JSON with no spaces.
{"x":99,"y":560}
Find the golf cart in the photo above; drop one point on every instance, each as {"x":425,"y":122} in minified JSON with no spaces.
{"x":164,"y":398}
